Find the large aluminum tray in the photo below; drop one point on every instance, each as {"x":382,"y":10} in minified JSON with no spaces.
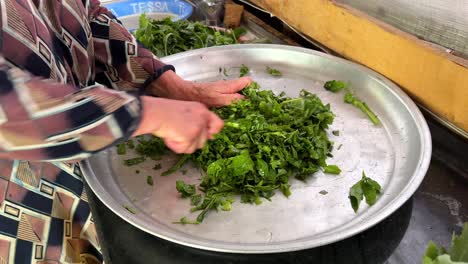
{"x":396,"y":154}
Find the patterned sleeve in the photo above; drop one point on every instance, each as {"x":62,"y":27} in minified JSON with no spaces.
{"x":121,"y":61}
{"x":44,"y":120}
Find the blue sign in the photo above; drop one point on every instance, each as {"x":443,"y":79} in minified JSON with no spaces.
{"x":180,"y":9}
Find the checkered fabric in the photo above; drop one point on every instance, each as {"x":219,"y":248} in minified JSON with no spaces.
{"x":52,"y":55}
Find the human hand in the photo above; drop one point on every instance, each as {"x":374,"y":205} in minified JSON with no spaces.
{"x":212,"y":94}
{"x":184,"y":126}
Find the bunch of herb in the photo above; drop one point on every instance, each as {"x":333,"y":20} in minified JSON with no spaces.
{"x":266,"y":140}
{"x":166,"y":37}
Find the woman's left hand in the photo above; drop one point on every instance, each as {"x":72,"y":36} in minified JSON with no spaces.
{"x":212,"y":94}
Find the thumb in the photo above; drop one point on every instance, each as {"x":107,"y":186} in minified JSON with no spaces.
{"x":234,"y":86}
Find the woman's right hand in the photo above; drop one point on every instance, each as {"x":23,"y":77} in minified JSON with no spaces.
{"x":184,"y":126}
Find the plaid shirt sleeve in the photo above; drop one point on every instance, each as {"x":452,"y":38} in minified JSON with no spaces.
{"x":44,"y":120}
{"x":121,"y":61}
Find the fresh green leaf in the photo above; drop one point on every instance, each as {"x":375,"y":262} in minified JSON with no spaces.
{"x":356,"y":195}
{"x":335,"y":86}
{"x":186,"y":190}
{"x":332,"y":169}
{"x":367,"y":188}
{"x":149,"y":180}
{"x":432,"y":251}
{"x":244,"y":70}
{"x":273,"y":72}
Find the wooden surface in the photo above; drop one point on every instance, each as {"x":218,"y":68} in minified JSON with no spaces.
{"x":436,"y":79}
{"x":444,"y":22}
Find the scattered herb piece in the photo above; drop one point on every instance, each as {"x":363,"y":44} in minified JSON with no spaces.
{"x":332,"y":169}
{"x":131,"y":210}
{"x":137,"y":171}
{"x":186,"y":190}
{"x":273,"y":72}
{"x":335,"y":86}
{"x":339,"y":146}
{"x":134,"y":161}
{"x":157,"y":166}
{"x":149,"y":180}
{"x":323,"y":192}
{"x":130,"y":144}
{"x":195,"y":199}
{"x":185,"y":221}
{"x":244,"y":70}
{"x":177,"y":166}
{"x":121,"y":149}
{"x":367,"y":188}
{"x":336,"y":132}
{"x":151,"y":147}
{"x":456,"y":254}
{"x":225,"y":72}
{"x":351,"y":99}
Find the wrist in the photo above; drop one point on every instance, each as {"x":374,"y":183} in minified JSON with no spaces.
{"x":170,"y":85}
{"x":150,"y":120}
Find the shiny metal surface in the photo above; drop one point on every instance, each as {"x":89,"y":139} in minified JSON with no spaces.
{"x":396,"y":154}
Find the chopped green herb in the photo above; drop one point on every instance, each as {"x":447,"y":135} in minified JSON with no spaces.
{"x":195,"y":199}
{"x":130,"y":144}
{"x":128,"y":208}
{"x":339,"y":146}
{"x":151,"y":147}
{"x":176,"y":166}
{"x":121,"y":149}
{"x":134,"y":161}
{"x":244,"y":70}
{"x":456,"y":254}
{"x":332,"y":169}
{"x":225,"y":72}
{"x":336,"y":132}
{"x":367,"y":188}
{"x":137,"y":171}
{"x":266,"y":140}
{"x":149,"y":180}
{"x":157,"y":166}
{"x":351,"y":99}
{"x":273,"y":72}
{"x":323,"y":192}
{"x":185,"y":221}
{"x":186,"y":190}
{"x":335,"y":86}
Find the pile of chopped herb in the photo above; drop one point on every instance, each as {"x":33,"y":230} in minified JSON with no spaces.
{"x":166,"y":37}
{"x":266,"y":140}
